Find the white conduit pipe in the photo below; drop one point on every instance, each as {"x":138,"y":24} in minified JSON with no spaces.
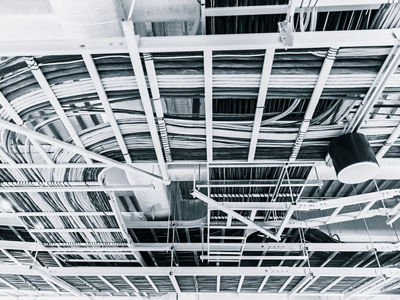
{"x":312,"y":105}
{"x":75,"y":149}
{"x":17,"y":119}
{"x":152,"y":78}
{"x":144,"y":94}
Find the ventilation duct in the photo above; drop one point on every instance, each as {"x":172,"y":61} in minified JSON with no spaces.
{"x":155,"y":204}
{"x":353,"y":158}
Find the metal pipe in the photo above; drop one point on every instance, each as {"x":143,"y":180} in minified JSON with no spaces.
{"x":144,"y":93}
{"x":262,"y":96}
{"x":228,"y":211}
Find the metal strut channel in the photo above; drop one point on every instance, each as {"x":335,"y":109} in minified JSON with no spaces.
{"x":94,"y":75}
{"x":144,"y":94}
{"x":388,"y":68}
{"x":312,"y":105}
{"x":262,"y":95}
{"x":234,"y":214}
{"x":75,"y":149}
{"x":152,"y":78}
{"x":18,"y":120}
{"x":51,"y":97}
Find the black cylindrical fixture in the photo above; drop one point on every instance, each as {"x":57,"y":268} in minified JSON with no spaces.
{"x":353,"y":158}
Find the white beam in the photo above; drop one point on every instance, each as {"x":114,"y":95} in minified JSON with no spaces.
{"x":175,"y":283}
{"x":208,"y":102}
{"x":387,"y":69}
{"x":124,"y":230}
{"x":360,"y":289}
{"x":152,"y":283}
{"x":301,"y":284}
{"x":94,"y":75}
{"x":312,"y":104}
{"x":44,"y":274}
{"x":258,"y":183}
{"x":18,"y":120}
{"x":354,"y":38}
{"x":318,"y":39}
{"x":234,"y":214}
{"x":230,"y":257}
{"x":126,"y":279}
{"x":262,"y":95}
{"x":240,"y":284}
{"x":75,"y":149}
{"x":388,"y":170}
{"x":189,"y":247}
{"x":315,"y":278}
{"x":388,"y":143}
{"x":261,"y":287}
{"x":286,"y":218}
{"x":10,"y":285}
{"x":70,"y":189}
{"x":155,"y":93}
{"x":71,"y":230}
{"x":58,"y":281}
{"x":320,"y":6}
{"x":108,"y":283}
{"x":51,"y":97}
{"x":136,"y":62}
{"x":391,"y":272}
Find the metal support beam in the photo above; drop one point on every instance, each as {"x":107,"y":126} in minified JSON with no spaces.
{"x":189,"y":247}
{"x":51,"y":97}
{"x":71,"y":189}
{"x":75,"y":149}
{"x":152,"y":283}
{"x":155,"y":93}
{"x":312,"y":105}
{"x":175,"y":283}
{"x":300,"y":285}
{"x":262,"y":95}
{"x":320,"y":6}
{"x":208,"y":102}
{"x":45,"y":275}
{"x":126,"y":279}
{"x":285,"y":220}
{"x":18,"y":120}
{"x":388,"y":143}
{"x":360,"y":289}
{"x":94,"y":75}
{"x":258,"y":183}
{"x":134,"y":55}
{"x":124,"y":229}
{"x":109,"y":283}
{"x":261,"y":287}
{"x":315,"y":278}
{"x":353,"y":38}
{"x":391,"y":272}
{"x":240,"y":284}
{"x":386,"y":71}
{"x":234,"y":214}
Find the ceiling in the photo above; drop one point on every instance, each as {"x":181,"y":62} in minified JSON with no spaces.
{"x":179,"y":148}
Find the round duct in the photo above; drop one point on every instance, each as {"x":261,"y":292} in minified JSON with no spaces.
{"x":353,"y":158}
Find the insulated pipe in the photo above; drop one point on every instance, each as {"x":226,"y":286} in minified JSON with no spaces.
{"x":164,"y":10}
{"x":54,"y":19}
{"x":89,"y":18}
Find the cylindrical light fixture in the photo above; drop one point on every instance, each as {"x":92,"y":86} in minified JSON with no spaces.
{"x":353,"y":159}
